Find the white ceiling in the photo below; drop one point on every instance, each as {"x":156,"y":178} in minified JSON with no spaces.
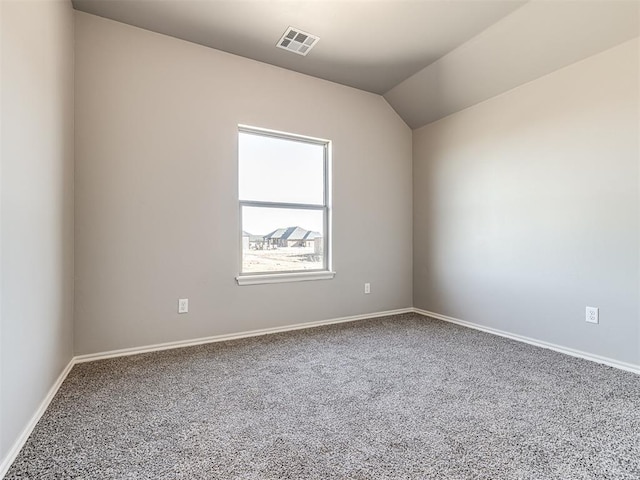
{"x":371,"y":45}
{"x":429,"y":58}
{"x":533,"y":41}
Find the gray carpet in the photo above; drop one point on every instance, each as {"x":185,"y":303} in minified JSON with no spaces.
{"x":399,"y":397}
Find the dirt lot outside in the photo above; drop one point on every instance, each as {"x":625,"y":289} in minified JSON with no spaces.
{"x":281,"y":259}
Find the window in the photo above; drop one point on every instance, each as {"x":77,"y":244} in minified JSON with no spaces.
{"x":284,"y":207}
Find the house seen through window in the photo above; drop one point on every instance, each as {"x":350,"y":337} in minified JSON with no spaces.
{"x":283,"y":190}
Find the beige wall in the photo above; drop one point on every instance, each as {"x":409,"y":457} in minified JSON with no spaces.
{"x":156,"y":190}
{"x":526,"y":208}
{"x":36,"y":216}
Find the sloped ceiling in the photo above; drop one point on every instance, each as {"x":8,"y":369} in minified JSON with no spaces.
{"x":533,"y":41}
{"x":428,"y":58}
{"x":371,"y":45}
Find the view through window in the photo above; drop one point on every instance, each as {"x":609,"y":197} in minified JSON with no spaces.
{"x":283,"y":202}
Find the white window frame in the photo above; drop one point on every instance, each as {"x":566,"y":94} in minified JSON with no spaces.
{"x":325,"y":273}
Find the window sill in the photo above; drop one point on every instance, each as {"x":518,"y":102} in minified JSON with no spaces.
{"x":284,"y":277}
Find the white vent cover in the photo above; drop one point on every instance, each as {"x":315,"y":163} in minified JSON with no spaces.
{"x":297,"y":41}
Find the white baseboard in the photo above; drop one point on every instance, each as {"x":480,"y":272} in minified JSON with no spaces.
{"x":232,"y":336}
{"x":538,"y":343}
{"x":19,"y":443}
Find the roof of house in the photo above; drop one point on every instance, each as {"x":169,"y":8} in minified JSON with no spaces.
{"x":292,"y":233}
{"x":310,"y":235}
{"x":275,"y":234}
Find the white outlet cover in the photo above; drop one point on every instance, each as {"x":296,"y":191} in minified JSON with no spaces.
{"x":183,"y":305}
{"x":592,"y":315}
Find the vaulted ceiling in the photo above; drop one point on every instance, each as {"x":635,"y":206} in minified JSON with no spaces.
{"x":428,"y":58}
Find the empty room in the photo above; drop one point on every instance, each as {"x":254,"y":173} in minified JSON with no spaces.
{"x":320,"y":239}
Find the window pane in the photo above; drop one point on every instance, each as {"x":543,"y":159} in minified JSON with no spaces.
{"x":282,"y":239}
{"x":279,"y":170}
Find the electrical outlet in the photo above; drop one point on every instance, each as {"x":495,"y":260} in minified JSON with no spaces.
{"x":367,"y":288}
{"x":183,"y":305}
{"x":592,"y":315}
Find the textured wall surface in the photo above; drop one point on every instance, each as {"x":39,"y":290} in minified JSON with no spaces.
{"x":37,"y":206}
{"x":526,"y":208}
{"x":156,"y":190}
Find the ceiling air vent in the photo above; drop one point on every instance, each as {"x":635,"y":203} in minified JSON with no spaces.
{"x":297,"y":41}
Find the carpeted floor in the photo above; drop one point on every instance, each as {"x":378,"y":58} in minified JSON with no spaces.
{"x":401,"y":397}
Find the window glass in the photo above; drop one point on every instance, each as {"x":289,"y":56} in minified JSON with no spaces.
{"x":280,"y":170}
{"x":282,"y":239}
{"x":283,"y":202}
